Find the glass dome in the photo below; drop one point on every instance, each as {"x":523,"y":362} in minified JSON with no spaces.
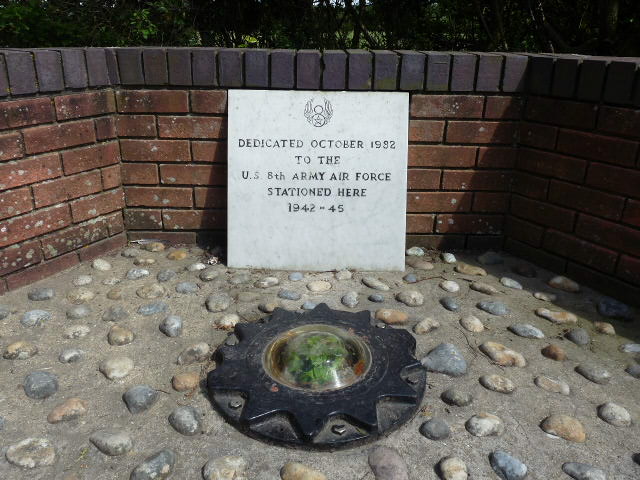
{"x":317,"y":358}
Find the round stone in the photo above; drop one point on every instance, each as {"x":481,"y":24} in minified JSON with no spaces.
{"x":415,"y":252}
{"x":269,"y":307}
{"x":450,"y":304}
{"x":425,"y":326}
{"x":563,"y":283}
{"x":583,"y":471}
{"x":76,"y":331}
{"x":497,"y":383}
{"x":375,"y":283}
{"x":494,"y":308}
{"x":208,"y":274}
{"x":31,"y":453}
{"x":186,"y":420}
{"x":137,"y":273}
{"x":633,"y":370}
{"x":526,"y":330}
{"x":445,"y":358}
{"x":77,"y":312}
{"x":158,"y":466}
{"x":484,"y":425}
{"x":594,"y":373}
{"x":350,"y":299}
{"x":296,"y":276}
{"x":171,"y":326}
{"x":153,"y":308}
{"x":411,"y":298}
{"x":267,"y":282}
{"x":502,"y":355}
{"x":196,"y":267}
{"x":71,"y":355}
{"x":70,"y":409}
{"x":452,"y":468}
{"x":472,"y":324}
{"x":165,"y":275}
{"x":308,"y":305}
{"x":115,"y":368}
{"x":111,"y":281}
{"x":80,"y":295}
{"x":564,"y":426}
{"x":614,"y":414}
{"x":506,"y":466}
{"x":391,"y":317}
{"x":218,"y":302}
{"x":511,"y":283}
{"x":299,"y":471}
{"x":101,"y":265}
{"x":35,"y":318}
{"x":141,"y":262}
{"x":20,"y":350}
{"x":449,"y":286}
{"x":386,"y":464}
{"x":178,"y":255}
{"x":420,"y":263}
{"x":112,"y":442}
{"x":459,"y":398}
{"x":554,"y":352}
{"x":604,"y":328}
{"x":579,"y":336}
{"x":119,"y":335}
{"x":410,"y":278}
{"x":187,"y":288}
{"x":435,"y":429}
{"x":183,"y":382}
{"x":319,"y":286}
{"x":39,"y":385}
{"x":196,"y":353}
{"x":342,"y":275}
{"x":154,"y":247}
{"x":239,"y":278}
{"x":448,"y":257}
{"x":131,"y":252}
{"x":116,"y":313}
{"x":484,"y":288}
{"x":150,"y":291}
{"x":467,"y":269}
{"x":82,"y":280}
{"x":227,"y":468}
{"x":228,"y":321}
{"x":140,"y":398}
{"x":376,"y":298}
{"x":115,"y":293}
{"x":557,"y":317}
{"x":630,"y":348}
{"x":545,"y":296}
{"x":41,"y":294}
{"x":490,"y":258}
{"x":289,"y":295}
{"x":552,"y":385}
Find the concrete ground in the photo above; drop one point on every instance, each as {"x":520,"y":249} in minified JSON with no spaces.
{"x":607,"y":447}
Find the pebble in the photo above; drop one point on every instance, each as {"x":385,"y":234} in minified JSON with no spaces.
{"x":448,"y":257}
{"x":453,"y":468}
{"x":614,"y":414}
{"x":545,"y":296}
{"x":506,"y":466}
{"x":410,"y":278}
{"x":115,"y":368}
{"x":289,"y":295}
{"x":594,"y":373}
{"x":494,"y":308}
{"x":564,"y":426}
{"x":39,"y":385}
{"x":166,"y":275}
{"x":450,"y":304}
{"x":583,"y":471}
{"x":80,"y":295}
{"x":225,"y":468}
{"x":525,"y":270}
{"x":511,"y":283}
{"x":459,"y":398}
{"x":557,"y":317}
{"x":472,"y":324}
{"x":140,"y":398}
{"x":156,"y":467}
{"x":20,"y":350}
{"x":153,"y":308}
{"x":411,"y":298}
{"x":445,"y":358}
{"x":420,"y":263}
{"x":319,"y":286}
{"x":605,"y":328}
{"x":76,"y":331}
{"x":70,"y":409}
{"x":484,"y":425}
{"x":119,"y":335}
{"x":554,"y":352}
{"x":115,"y":293}
{"x":425,"y":326}
{"x":77,"y":312}
{"x":299,"y":471}
{"x":563,"y":283}
{"x":633,"y":370}
{"x":218,"y":302}
{"x":186,"y":420}
{"x":178,"y":255}
{"x":449,"y":286}
{"x":269,"y":307}
{"x":40,"y":294}
{"x":151,"y":291}
{"x":552,"y":385}
{"x":101,"y":265}
{"x":196,"y":353}
{"x":228,"y":321}
{"x":297,"y":276}
{"x":502,"y":355}
{"x":267,"y":282}
{"x":208,"y":274}
{"x":579,"y":336}
{"x":154,"y":247}
{"x":630,"y":348}
{"x":435,"y":429}
{"x":391,"y":317}
{"x":375,"y":283}
{"x":143,"y":262}
{"x":526,"y":330}
{"x":31,"y":453}
{"x":187,"y":287}
{"x":612,"y":308}
{"x":137,"y":273}
{"x":130,"y":252}
{"x":196,"y":267}
{"x":238,"y":278}
{"x":171,"y":326}
{"x":415,"y":252}
{"x":35,"y":318}
{"x":71,"y":355}
{"x":116,"y":313}
{"x":484,"y":288}
{"x":376,"y":298}
{"x":343,"y":275}
{"x":497,"y":383}
{"x":490,"y":258}
{"x":183,"y":382}
{"x":387,"y":464}
{"x":5,"y":311}
{"x":467,"y":269}
{"x":82,"y":280}
{"x":350,"y":299}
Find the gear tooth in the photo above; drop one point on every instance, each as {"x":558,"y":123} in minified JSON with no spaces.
{"x":399,"y":389}
{"x":245,"y":330}
{"x":309,"y":425}
{"x":364,"y":413}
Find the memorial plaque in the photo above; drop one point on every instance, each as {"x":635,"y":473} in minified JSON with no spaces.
{"x":317,"y":180}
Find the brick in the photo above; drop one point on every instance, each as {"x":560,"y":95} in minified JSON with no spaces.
{"x":111,"y":177}
{"x":42,"y":270}
{"x":49,"y":71}
{"x":210,"y":197}
{"x":209,"y":101}
{"x":230,"y":67}
{"x":610,"y":234}
{"x":66,"y":188}
{"x":597,"y":147}
{"x":621,"y":121}
{"x":192,"y":127}
{"x":4,"y":91}
{"x":441,"y":242}
{"x":158,"y":197}
{"x":563,"y":113}
{"x":618,"y":86}
{"x":21,"y":72}
{"x":505,"y":108}
{"x":418,"y":202}
{"x":536,"y":255}
{"x":618,"y":180}
{"x":17,"y":257}
{"x":204,"y":67}
{"x":283,"y":65}
{"x":540,"y":74}
{"x":256,"y":68}
{"x":94,"y":206}
{"x":586,"y":200}
{"x":155,"y":150}
{"x":209,"y":151}
{"x":463,"y":72}
{"x":334,"y":73}
{"x":497,"y":157}
{"x":524,"y":231}
{"x":481,"y":132}
{"x":537,"y":135}
{"x":193,"y":174}
{"x":447,"y":106}
{"x":111,"y":61}
{"x":473,"y":180}
{"x":143,"y":218}
{"x":172,"y":238}
{"x":84,"y":105}
{"x":140,"y":173}
{"x":631,"y":213}
{"x":515,"y":73}
{"x":581,"y":251}
{"x":565,"y":76}
{"x":105,"y":128}
{"x":441,"y":156}
{"x":591,"y":79}
{"x":130,"y":66}
{"x":115,"y":222}
{"x":98,"y":67}
{"x":102,"y":247}
{"x":34,"y":224}
{"x":136,"y":126}
{"x":154,"y":61}
{"x":411,"y":70}
{"x":73,"y":238}
{"x":422,"y":223}
{"x":482,"y":243}
{"x":152,"y":101}
{"x":88,"y":158}
{"x":29,"y":170}
{"x":530,"y":186}
{"x":308,"y":70}
{"x":20,"y":113}
{"x":193,"y":219}
{"x":74,"y":66}
{"x":54,"y":137}
{"x":490,"y":202}
{"x":468,"y":223}
{"x":360,"y":70}
{"x":426,"y":130}
{"x":11,"y":146}
{"x":629,"y":269}
{"x":551,"y":164}
{"x":15,"y":202}
{"x":385,"y":76}
{"x":179,"y":65}
{"x":489,"y":72}
{"x":438,"y":70}
{"x":543,"y":213}
{"x":423,"y":179}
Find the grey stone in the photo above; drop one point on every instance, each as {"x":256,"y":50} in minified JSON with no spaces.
{"x":71,"y":355}
{"x":5,"y":311}
{"x":449,"y":286}
{"x":115,"y":368}
{"x":101,"y":265}
{"x":630,"y":348}
{"x":196,"y":267}
{"x":289,"y":295}
{"x":171,"y":326}
{"x":511,"y":283}
{"x":453,"y":396}
{"x":435,"y":429}
{"x":218,"y":302}
{"x":579,"y":336}
{"x":296,"y":276}
{"x":153,"y":308}
{"x":583,"y":471}
{"x":131,"y":252}
{"x":156,"y":467}
{"x":594,"y":373}
{"x":40,"y":294}
{"x":415,"y":252}
{"x":484,"y":425}
{"x":411,"y":298}
{"x":445,"y":358}
{"x":309,"y":305}
{"x":375,"y":283}
{"x":116,"y":313}
{"x":35,"y":318}
{"x":612,"y":308}
{"x":633,"y":370}
{"x":186,"y":420}
{"x":350,"y":299}
{"x":410,"y":278}
{"x":226,"y":468}
{"x":387,"y":464}
{"x":165,"y":275}
{"x":450,"y":304}
{"x":506,"y":466}
{"x":151,"y":291}
{"x":82,"y":280}
{"x":111,"y":281}
{"x":198,"y":352}
{"x":187,"y":287}
{"x":38,"y":385}
{"x":137,"y":273}
{"x":448,"y":257}
{"x":31,"y":453}
{"x":493,"y":307}
{"x":77,"y":312}
{"x":526,"y":330}
{"x":80,"y":295}
{"x":452,"y":468}
{"x":140,"y":398}
{"x":614,"y":414}
{"x":376,"y":298}
{"x":267,"y":282}
{"x":208,"y":274}
{"x":490,"y":258}
{"x":119,"y":335}
{"x":112,"y":442}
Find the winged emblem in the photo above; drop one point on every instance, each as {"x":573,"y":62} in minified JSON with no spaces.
{"x":318,"y":115}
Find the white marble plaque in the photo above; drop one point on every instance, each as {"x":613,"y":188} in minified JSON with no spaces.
{"x":317,"y":180}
